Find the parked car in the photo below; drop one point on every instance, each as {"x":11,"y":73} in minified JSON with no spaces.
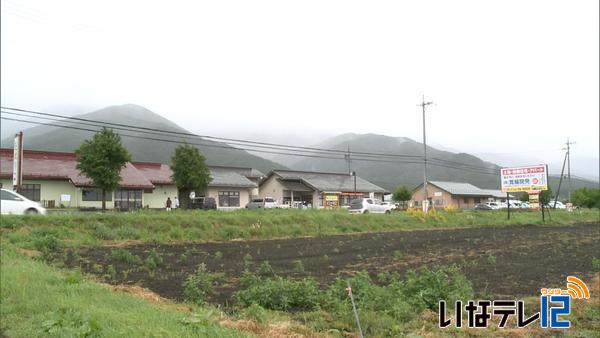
{"x":203,"y":203}
{"x":392,"y":205}
{"x":524,"y":205}
{"x":493,"y":205}
{"x":262,"y":203}
{"x":13,"y":203}
{"x":368,"y":205}
{"x":482,"y":206}
{"x":515,"y":204}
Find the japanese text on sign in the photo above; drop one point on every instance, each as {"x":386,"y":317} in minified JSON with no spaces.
{"x":524,"y":178}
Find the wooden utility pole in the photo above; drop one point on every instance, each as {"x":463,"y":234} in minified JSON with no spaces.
{"x":562,"y":171}
{"x":348,"y":159}
{"x":424,"y":104}
{"x":569,"y":143}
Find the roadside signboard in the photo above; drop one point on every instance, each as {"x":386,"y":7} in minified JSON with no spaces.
{"x":332,"y":201}
{"x":534,"y":201}
{"x":528,"y":178}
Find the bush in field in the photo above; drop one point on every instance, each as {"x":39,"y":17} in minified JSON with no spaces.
{"x":154,"y":260}
{"x":586,"y":197}
{"x":46,"y":243}
{"x":199,"y":286}
{"x":424,"y":288}
{"x":385,"y":300}
{"x":123,"y":255}
{"x":278,"y":293}
{"x":265,"y":269}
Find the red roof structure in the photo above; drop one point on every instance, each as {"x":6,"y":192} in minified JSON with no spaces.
{"x":157,"y":173}
{"x":49,"y":165}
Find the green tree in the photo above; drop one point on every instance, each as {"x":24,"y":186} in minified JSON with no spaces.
{"x":586,"y":197}
{"x":524,"y":197}
{"x":190,"y":172}
{"x":546,"y":196}
{"x":402,"y":194}
{"x":101,"y":160}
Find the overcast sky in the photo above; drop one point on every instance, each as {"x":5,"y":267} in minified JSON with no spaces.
{"x":506,"y":76}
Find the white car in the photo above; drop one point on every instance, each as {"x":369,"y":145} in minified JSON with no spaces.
{"x":559,"y":205}
{"x":368,"y":205}
{"x":515,"y":204}
{"x":390,"y":204}
{"x":13,"y":203}
{"x":262,"y":203}
{"x":493,"y":205}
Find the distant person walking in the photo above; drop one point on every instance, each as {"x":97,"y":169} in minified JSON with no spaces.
{"x":169,"y":203}
{"x":175,"y":203}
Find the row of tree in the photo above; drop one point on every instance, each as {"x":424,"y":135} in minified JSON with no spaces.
{"x":102,"y":158}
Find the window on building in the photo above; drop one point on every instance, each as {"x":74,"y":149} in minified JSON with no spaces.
{"x":439,"y":202}
{"x":466,"y":200}
{"x":229,"y":198}
{"x":94,"y":195}
{"x":126,"y":199}
{"x":31,"y":191}
{"x":416,"y":203}
{"x":477,"y":200}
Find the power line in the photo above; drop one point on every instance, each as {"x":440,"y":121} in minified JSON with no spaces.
{"x":255,"y":150}
{"x":161,"y":133}
{"x":246,"y":143}
{"x":207,"y":136}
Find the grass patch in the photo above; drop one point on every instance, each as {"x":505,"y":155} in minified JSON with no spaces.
{"x":39,"y":301}
{"x":74,"y":229}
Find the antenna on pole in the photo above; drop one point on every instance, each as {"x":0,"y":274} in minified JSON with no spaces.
{"x":423,"y":105}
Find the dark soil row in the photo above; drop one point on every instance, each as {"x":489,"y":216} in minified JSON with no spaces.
{"x":511,"y":261}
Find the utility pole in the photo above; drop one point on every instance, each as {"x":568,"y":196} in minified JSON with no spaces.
{"x":424,"y":104}
{"x":562,"y":172}
{"x":569,"y":143}
{"x":348,"y":160}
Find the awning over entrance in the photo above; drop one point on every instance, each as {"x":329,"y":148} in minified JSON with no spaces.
{"x":295,"y":186}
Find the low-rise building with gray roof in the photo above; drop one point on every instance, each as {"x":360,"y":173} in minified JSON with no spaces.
{"x":442,"y":194}
{"x":319,"y":189}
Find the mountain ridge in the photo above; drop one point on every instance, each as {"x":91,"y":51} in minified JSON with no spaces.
{"x":442,"y":165}
{"x":142,"y":145}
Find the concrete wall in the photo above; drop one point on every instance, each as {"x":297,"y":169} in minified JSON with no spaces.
{"x":272,"y":188}
{"x":442,"y":199}
{"x":244,"y":196}
{"x":439,"y":198}
{"x":157,"y":199}
{"x":51,"y":190}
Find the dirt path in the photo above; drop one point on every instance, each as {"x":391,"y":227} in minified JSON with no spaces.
{"x":511,"y":261}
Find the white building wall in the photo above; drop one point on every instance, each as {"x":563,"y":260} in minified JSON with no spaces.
{"x":244,"y":195}
{"x":157,"y":199}
{"x":272,"y":188}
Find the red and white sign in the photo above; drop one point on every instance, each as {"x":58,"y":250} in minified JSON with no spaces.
{"x":524,"y":178}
